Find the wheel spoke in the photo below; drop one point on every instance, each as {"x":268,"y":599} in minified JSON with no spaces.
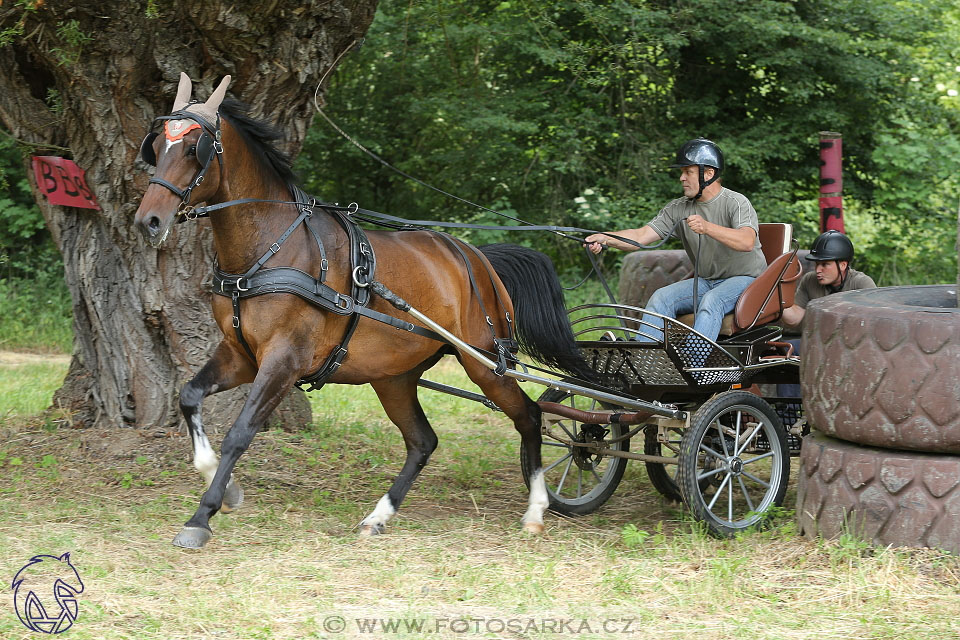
{"x":757,"y":480}
{"x":730,"y":498}
{"x":760,"y":457}
{"x":563,"y":478}
{"x":579,"y":482}
{"x":572,"y":436}
{"x":719,"y":491}
{"x":746,"y":494}
{"x":711,"y":452}
{"x":556,"y":462}
{"x":707,"y":474}
{"x":596,"y":475}
{"x":748,"y":439}
{"x":553,"y":443}
{"x":723,"y":440}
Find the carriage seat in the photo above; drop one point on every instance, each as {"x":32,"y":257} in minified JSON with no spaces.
{"x":773,"y":291}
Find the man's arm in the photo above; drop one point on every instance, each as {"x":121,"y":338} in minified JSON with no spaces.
{"x":643,"y":235}
{"x":741,"y":239}
{"x":793,"y":316}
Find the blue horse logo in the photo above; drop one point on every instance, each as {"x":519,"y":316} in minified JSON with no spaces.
{"x":46,"y":580}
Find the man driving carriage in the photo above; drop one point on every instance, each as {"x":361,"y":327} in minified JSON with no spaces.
{"x":719,"y":231}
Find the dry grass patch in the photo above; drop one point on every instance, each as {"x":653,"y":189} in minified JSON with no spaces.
{"x":454,"y":561}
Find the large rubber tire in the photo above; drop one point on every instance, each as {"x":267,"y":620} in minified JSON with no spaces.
{"x":746,"y":472}
{"x":900,"y":498}
{"x":643,"y":272}
{"x":881,"y":367}
{"x":573,"y":489}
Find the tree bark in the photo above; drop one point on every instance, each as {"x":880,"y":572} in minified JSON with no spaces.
{"x":91,"y":75}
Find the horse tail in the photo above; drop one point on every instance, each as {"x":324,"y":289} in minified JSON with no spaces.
{"x":540,"y":314}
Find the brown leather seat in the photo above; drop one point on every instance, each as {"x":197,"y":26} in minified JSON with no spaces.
{"x":773,"y":291}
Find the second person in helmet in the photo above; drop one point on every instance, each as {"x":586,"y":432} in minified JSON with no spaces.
{"x":715,"y":224}
{"x":831,"y":253}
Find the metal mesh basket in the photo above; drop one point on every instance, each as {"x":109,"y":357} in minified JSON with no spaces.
{"x":696,"y":352}
{"x":620,"y":365}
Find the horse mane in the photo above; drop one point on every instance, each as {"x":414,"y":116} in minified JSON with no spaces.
{"x":260,"y":137}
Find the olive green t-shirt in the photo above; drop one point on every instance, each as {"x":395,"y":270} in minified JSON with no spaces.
{"x":809,"y":289}
{"x":717,"y":260}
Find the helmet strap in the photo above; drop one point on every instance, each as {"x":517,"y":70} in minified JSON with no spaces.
{"x":707,"y":183}
{"x":837,"y":288}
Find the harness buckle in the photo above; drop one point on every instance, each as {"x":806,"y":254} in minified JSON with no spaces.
{"x":364,"y":249}
{"x":352,"y":208}
{"x":236,"y":322}
{"x":275,"y":247}
{"x":356,"y":280}
{"x":239,"y":288}
{"x":217,"y":145}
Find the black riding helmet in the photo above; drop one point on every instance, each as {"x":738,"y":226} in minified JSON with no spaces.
{"x":831,"y":245}
{"x":703,"y":153}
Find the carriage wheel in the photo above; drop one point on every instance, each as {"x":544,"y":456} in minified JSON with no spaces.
{"x":663,"y":477}
{"x":578,"y":480}
{"x":734,"y":462}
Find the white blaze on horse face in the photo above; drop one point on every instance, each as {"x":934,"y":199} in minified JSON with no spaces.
{"x":539,"y":500}
{"x":204,"y":458}
{"x":383,"y":512}
{"x":174,"y":131}
{"x":170,"y":144}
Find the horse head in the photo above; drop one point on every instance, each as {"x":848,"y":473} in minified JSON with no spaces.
{"x":183,"y":152}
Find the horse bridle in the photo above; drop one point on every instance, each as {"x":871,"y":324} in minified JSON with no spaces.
{"x":209,"y":144}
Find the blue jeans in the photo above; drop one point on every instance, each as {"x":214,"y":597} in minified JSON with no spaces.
{"x":717,"y":298}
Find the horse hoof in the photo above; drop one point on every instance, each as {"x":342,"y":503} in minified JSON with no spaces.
{"x":368,"y":530}
{"x":192,"y":537}
{"x":232,"y":498}
{"x":534,"y":528}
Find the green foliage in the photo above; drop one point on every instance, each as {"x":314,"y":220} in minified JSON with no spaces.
{"x":73,"y":39}
{"x":568,"y":113}
{"x":36,"y":314}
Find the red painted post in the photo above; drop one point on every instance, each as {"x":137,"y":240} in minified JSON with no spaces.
{"x":831,"y":181}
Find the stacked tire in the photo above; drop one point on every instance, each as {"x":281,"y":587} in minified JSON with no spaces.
{"x":880,"y":375}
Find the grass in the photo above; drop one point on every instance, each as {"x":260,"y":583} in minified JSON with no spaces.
{"x":27,"y":384}
{"x":36,"y":314}
{"x":454,"y":560}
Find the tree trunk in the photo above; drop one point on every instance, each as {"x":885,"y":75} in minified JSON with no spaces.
{"x":91,"y":75}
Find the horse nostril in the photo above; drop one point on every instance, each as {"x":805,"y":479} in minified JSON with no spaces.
{"x":153,"y":224}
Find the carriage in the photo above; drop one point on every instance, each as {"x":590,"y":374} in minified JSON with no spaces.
{"x":329,"y":301}
{"x":716,"y":433}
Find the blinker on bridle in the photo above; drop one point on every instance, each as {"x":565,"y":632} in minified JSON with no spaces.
{"x":208,"y":144}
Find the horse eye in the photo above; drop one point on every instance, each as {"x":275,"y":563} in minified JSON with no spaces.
{"x":192,"y":151}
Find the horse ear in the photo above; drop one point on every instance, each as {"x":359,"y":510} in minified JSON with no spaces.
{"x":213,"y":102}
{"x":183,"y":92}
{"x":65,"y":557}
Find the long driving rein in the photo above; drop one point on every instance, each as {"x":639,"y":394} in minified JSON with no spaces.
{"x":259,"y":281}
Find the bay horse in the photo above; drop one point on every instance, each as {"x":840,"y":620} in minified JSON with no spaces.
{"x":214,"y":152}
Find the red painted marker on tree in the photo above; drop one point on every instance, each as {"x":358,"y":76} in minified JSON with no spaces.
{"x":63,"y":183}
